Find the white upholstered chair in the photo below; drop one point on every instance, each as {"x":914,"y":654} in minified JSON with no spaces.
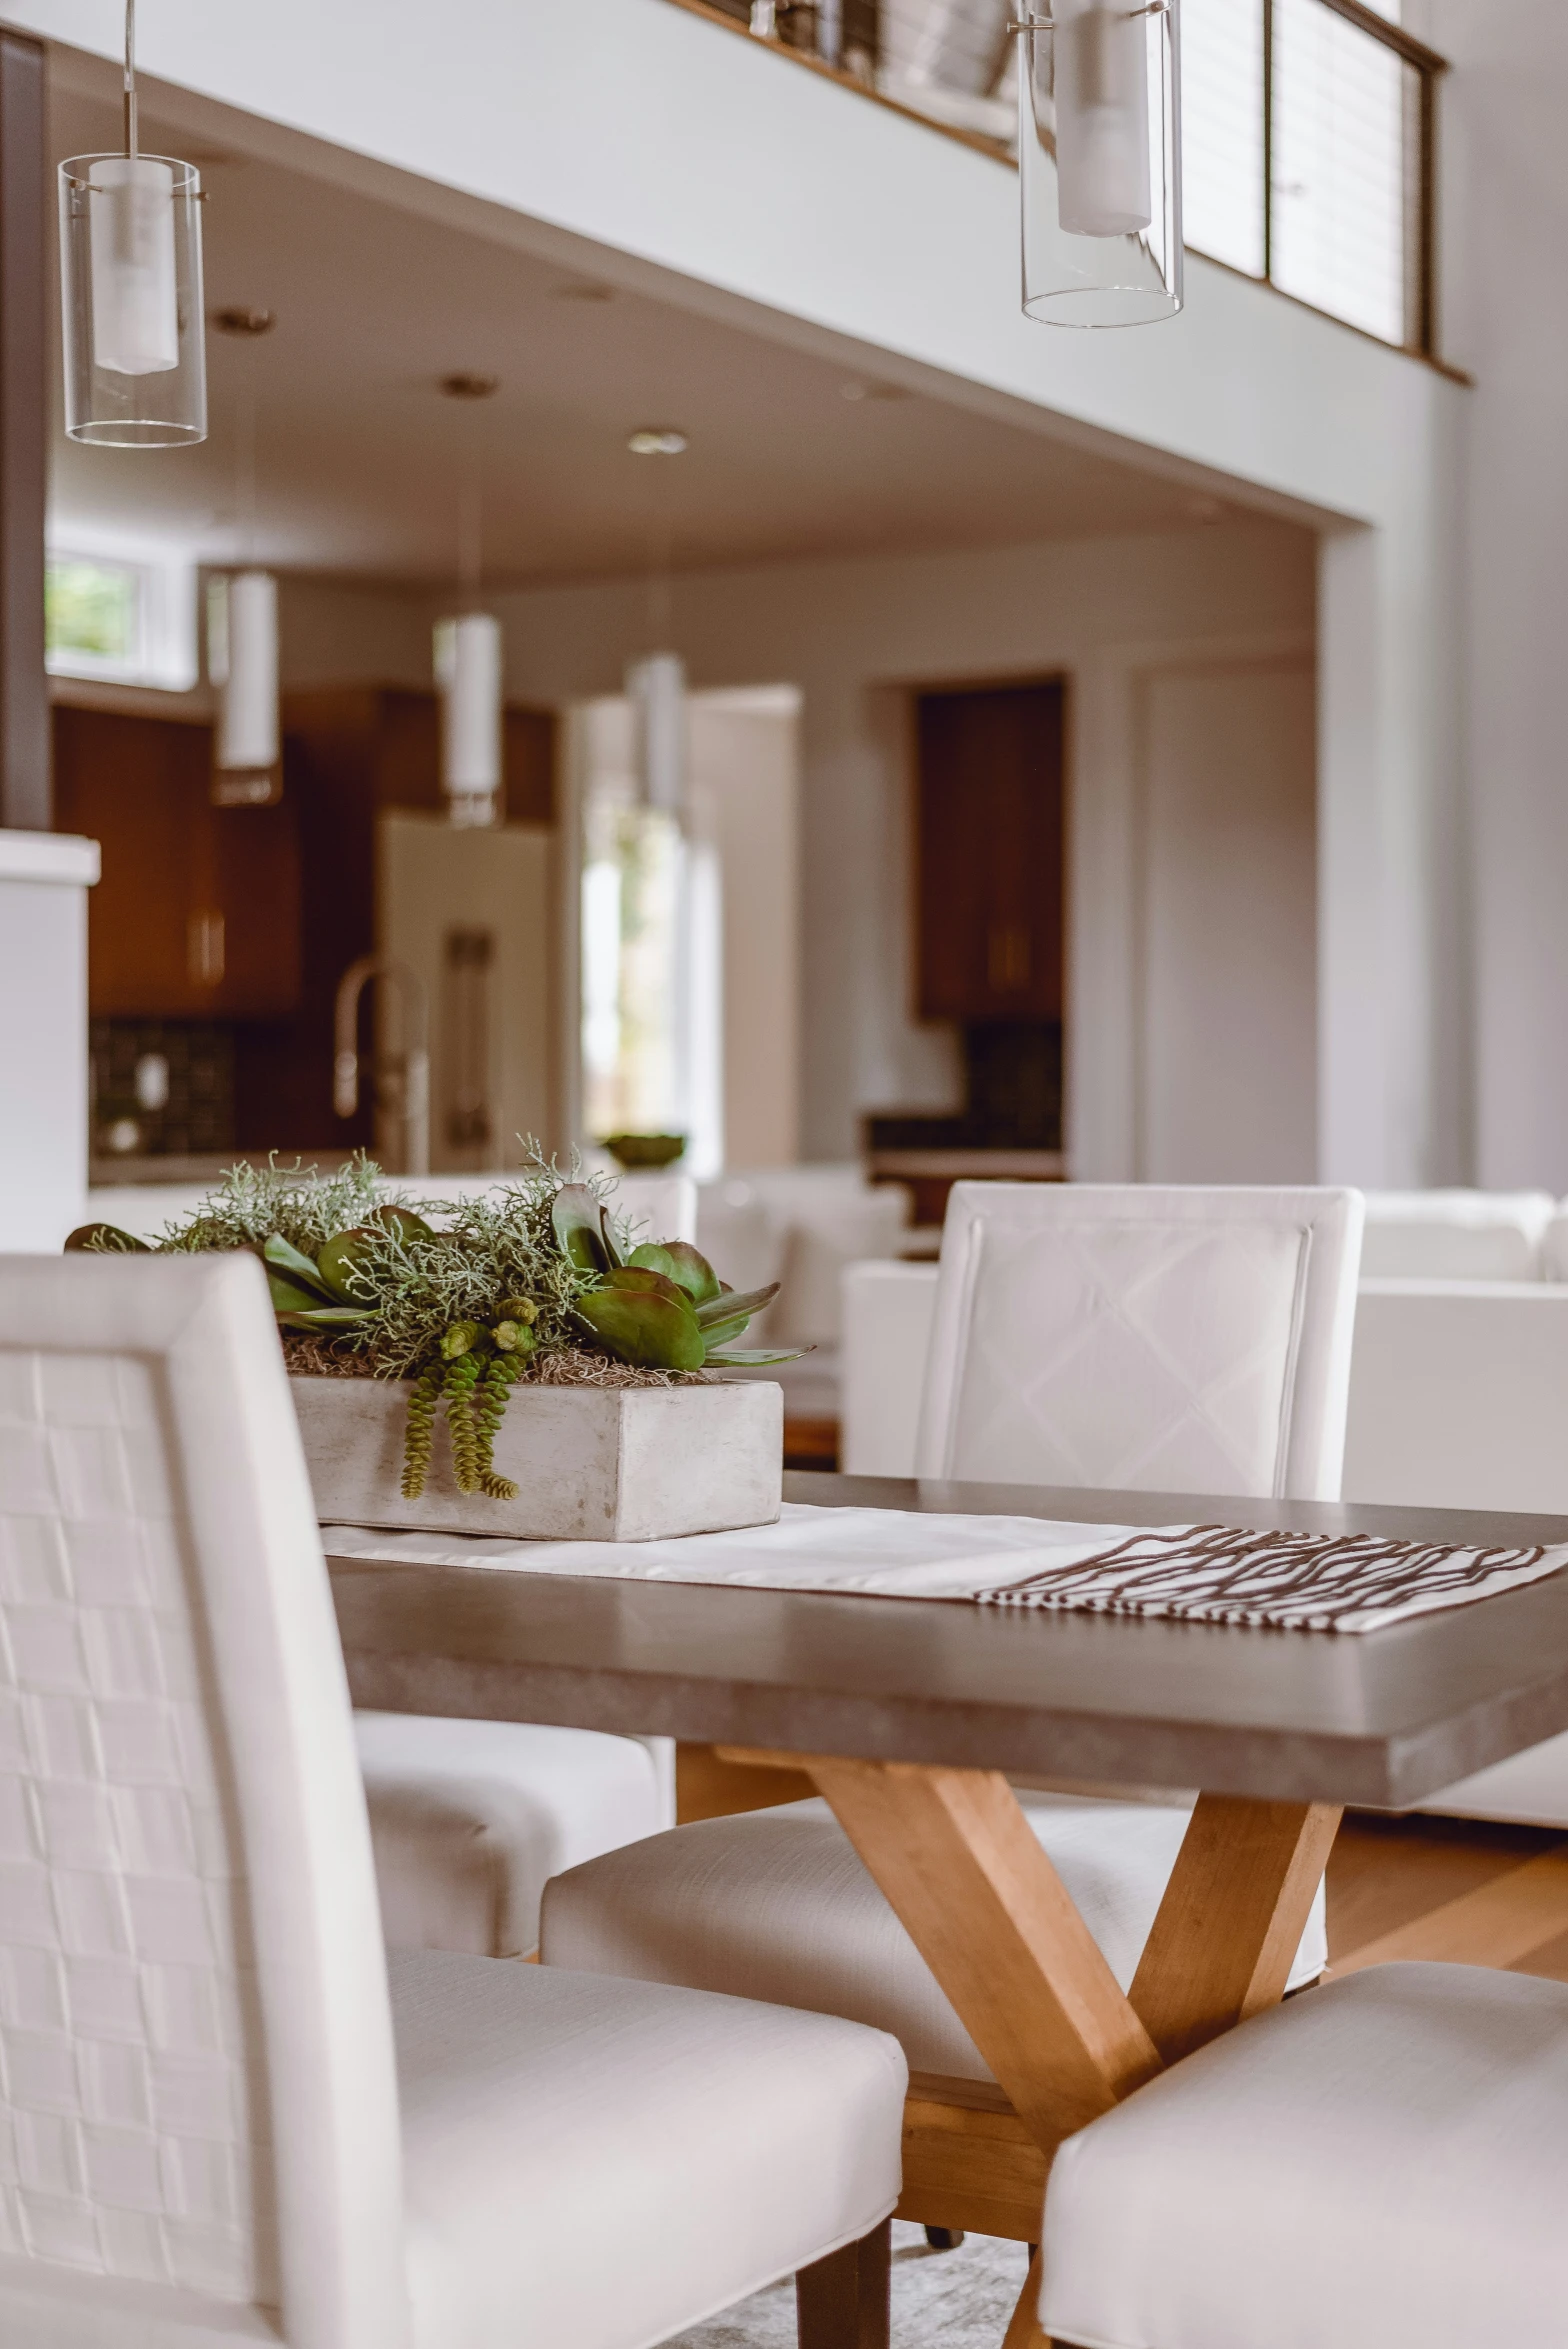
{"x":220,"y":2120}
{"x":1381,"y":2165}
{"x":1144,"y":1339}
{"x":470,"y":1819}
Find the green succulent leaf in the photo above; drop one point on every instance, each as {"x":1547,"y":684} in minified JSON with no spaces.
{"x":680,"y":1262}
{"x":290,"y":1296}
{"x":340,"y":1259}
{"x":753,"y":1357}
{"x":642,"y":1281}
{"x":719,"y":1333}
{"x":731,"y":1305}
{"x":583,"y":1229}
{"x":105,"y":1239}
{"x":326,"y":1317}
{"x":288,"y":1261}
{"x":644,"y":1328}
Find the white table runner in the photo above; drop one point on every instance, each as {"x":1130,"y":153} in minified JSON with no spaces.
{"x":1197,"y":1573}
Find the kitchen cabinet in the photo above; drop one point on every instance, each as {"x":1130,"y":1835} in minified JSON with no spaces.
{"x":991,"y":854}
{"x":197,"y":915}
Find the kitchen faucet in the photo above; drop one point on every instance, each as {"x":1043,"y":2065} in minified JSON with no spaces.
{"x":400,"y":1074}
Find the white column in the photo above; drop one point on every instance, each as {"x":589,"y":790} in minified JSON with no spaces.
{"x":44,"y":880}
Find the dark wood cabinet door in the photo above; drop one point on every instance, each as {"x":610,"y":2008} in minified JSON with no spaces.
{"x":197,"y":915}
{"x":991,"y":854}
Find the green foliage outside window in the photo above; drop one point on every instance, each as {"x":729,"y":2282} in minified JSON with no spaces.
{"x":91,"y":608}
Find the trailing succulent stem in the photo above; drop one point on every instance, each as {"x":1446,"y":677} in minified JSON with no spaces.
{"x":462,"y":1376}
{"x":419,"y":1434}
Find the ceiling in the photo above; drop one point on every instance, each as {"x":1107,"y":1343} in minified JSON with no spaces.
{"x":361,"y":460}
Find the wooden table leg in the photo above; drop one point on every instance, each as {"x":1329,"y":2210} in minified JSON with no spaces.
{"x":1226,"y":1934}
{"x":961,"y":1868}
{"x":1024,"y":2330}
{"x":954,"y":1855}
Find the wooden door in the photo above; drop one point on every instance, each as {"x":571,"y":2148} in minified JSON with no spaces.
{"x":197,"y":914}
{"x":991,"y":854}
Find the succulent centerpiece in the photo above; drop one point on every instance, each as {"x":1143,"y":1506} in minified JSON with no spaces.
{"x":537,"y":1283}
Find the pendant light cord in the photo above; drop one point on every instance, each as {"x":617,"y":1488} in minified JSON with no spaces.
{"x":130,"y":77}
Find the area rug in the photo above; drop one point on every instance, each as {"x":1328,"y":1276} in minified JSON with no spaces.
{"x":941,"y":2299}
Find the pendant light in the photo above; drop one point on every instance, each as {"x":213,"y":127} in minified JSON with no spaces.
{"x":469,"y":658}
{"x":1099,"y":160}
{"x":242,"y":622}
{"x":131,"y":294}
{"x":656,"y":689}
{"x":656,"y":681}
{"x":468,"y":671}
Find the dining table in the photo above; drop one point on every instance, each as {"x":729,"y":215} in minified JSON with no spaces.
{"x":912,"y":1718}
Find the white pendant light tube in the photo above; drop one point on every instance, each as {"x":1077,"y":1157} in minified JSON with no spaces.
{"x":468,"y":661}
{"x":1099,"y":161}
{"x":247,"y":677}
{"x":131,"y":292}
{"x":656,"y":688}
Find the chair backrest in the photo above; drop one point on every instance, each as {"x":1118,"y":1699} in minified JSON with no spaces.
{"x":1151,"y":1340}
{"x":198,"y":2111}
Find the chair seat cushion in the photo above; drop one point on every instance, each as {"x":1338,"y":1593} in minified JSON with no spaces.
{"x":778,"y":1905}
{"x":470,"y":1819}
{"x":1382,"y":2164}
{"x":597,"y":2165}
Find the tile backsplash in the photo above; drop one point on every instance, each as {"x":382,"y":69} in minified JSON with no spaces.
{"x":161,"y":1088}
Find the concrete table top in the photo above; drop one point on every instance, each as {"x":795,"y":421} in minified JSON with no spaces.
{"x":1380,"y":1718}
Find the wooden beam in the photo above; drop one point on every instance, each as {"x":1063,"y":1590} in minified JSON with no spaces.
{"x":969,"y":2162}
{"x":1495,"y":1925}
{"x":956,"y":1859}
{"x":25,"y":798}
{"x":1226,"y":1934}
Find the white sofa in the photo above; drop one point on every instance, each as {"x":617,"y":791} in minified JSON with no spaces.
{"x":1458,"y":1235}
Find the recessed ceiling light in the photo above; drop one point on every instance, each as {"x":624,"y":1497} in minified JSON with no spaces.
{"x":470,"y":387}
{"x":657,"y":440}
{"x":241,"y":321}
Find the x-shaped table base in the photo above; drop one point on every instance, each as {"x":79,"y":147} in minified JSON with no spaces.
{"x":955,"y":1857}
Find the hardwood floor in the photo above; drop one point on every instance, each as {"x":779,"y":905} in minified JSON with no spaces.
{"x":1459,"y":1889}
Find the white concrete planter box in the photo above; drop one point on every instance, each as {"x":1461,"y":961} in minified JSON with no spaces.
{"x":601,"y":1464}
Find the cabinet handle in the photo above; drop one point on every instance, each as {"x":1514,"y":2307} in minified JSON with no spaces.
{"x":204,"y":955}
{"x":1007,"y":958}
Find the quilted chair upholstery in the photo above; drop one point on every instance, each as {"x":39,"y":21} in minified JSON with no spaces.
{"x":1163,"y":1340}
{"x":1143,"y":1339}
{"x":219,"y":2122}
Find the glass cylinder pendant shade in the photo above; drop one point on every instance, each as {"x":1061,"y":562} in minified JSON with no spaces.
{"x":656,"y":688}
{"x":131,"y":301}
{"x":242,"y":661}
{"x":1099,"y":160}
{"x":468,"y":671}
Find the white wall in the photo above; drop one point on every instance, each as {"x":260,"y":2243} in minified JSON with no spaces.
{"x":1227,"y":923}
{"x":666,"y":151}
{"x":855,"y":636}
{"x":1505,"y":303}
